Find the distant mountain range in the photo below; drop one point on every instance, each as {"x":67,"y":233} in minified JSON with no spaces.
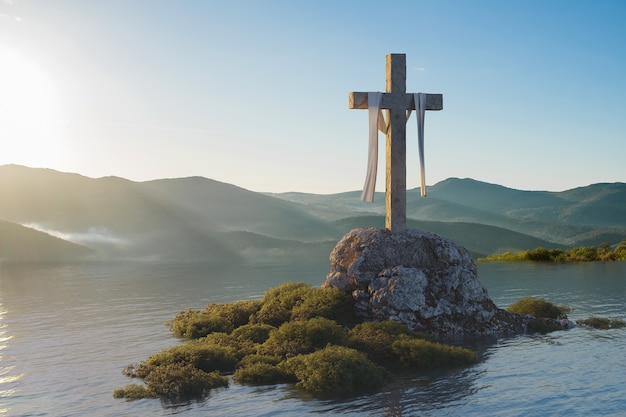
{"x":46,"y":215}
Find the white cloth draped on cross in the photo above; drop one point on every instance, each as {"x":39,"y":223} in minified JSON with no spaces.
{"x":377,"y":122}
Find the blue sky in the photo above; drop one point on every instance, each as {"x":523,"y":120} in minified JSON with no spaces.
{"x":255,"y":93}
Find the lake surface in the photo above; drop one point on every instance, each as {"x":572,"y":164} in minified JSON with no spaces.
{"x":67,"y":331}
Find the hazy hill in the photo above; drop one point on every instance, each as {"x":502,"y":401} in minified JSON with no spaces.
{"x":201,"y":219}
{"x":594,"y":205}
{"x":22,"y":244}
{"x":220,"y":206}
{"x":171,"y":218}
{"x":582,"y":216}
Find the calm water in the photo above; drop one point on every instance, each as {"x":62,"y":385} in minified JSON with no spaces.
{"x":67,"y":331}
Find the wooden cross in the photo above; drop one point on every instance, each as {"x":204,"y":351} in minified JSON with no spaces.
{"x":396,"y":101}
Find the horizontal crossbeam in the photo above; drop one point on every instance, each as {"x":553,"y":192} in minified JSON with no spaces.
{"x":358,"y":100}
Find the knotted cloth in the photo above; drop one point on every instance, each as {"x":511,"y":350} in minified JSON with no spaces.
{"x":376,"y":123}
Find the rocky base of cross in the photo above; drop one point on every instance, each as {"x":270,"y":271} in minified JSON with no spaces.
{"x":425,"y":281}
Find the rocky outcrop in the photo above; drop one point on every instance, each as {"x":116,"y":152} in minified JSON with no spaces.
{"x":423,"y":280}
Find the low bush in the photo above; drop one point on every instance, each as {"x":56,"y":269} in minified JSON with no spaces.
{"x":376,"y":338}
{"x":602,"y":323}
{"x":538,"y":308}
{"x":134,"y":392}
{"x":179,"y":381}
{"x":235,"y":347}
{"x":237,"y":314}
{"x":620,"y":251}
{"x":261,"y":374}
{"x":261,"y":370}
{"x":299,"y":337}
{"x":255,"y":333}
{"x":330,"y":303}
{"x":173,"y":381}
{"x":335,"y":369}
{"x":254,"y":359}
{"x":200,"y":355}
{"x":193,"y":324}
{"x":603,"y":252}
{"x":423,"y":354}
{"x":278,"y":302}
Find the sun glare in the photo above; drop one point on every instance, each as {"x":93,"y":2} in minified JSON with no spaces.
{"x":31,"y":128}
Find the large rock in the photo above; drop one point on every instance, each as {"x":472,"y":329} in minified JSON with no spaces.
{"x":423,"y":280}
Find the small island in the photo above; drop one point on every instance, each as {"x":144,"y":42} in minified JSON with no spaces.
{"x":295,"y":334}
{"x":604,"y":252}
{"x":308,"y":336}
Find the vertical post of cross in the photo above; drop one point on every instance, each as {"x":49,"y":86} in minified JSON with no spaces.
{"x":395,"y":190}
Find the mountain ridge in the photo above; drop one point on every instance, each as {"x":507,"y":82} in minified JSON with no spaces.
{"x":199,"y":218}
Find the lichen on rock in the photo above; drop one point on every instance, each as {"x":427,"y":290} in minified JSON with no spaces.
{"x":423,"y":280}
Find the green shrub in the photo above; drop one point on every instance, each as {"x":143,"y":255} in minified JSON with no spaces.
{"x":255,"y":333}
{"x":331,"y":303}
{"x":620,"y":251}
{"x":222,"y":318}
{"x":203,"y":356}
{"x":254,"y":359}
{"x":278,"y":302}
{"x":602,"y":323}
{"x":376,"y":338}
{"x":538,"y":308}
{"x":580,"y":254}
{"x":262,"y":374}
{"x":182,"y":380}
{"x":300,"y":301}
{"x":237,"y":347}
{"x":237,"y":314}
{"x":261,"y":370}
{"x":194,"y":324}
{"x":299,"y":337}
{"x":424,"y":354}
{"x":134,"y":392}
{"x":544,"y":255}
{"x":335,"y":369}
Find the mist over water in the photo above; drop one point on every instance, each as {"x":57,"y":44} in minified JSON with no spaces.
{"x":67,"y":331}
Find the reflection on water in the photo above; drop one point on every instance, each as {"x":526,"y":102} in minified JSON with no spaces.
{"x":8,"y":378}
{"x":67,"y":331}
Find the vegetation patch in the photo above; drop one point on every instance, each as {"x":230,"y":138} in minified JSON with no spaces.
{"x":539,"y":308}
{"x":423,"y":354}
{"x":604,"y":252}
{"x":336,"y":369}
{"x":134,"y":392}
{"x":262,"y":370}
{"x":300,"y":337}
{"x":546,"y":313}
{"x":376,"y":339}
{"x":602,"y":323}
{"x":295,"y":334}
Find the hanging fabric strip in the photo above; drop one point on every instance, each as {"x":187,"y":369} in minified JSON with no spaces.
{"x":420,"y":110}
{"x":376,"y":122}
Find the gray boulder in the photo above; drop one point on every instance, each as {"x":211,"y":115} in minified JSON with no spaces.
{"x":420,"y":279}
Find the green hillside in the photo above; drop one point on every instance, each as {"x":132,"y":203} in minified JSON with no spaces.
{"x":583,"y":216}
{"x":197,"y":218}
{"x":23,"y":244}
